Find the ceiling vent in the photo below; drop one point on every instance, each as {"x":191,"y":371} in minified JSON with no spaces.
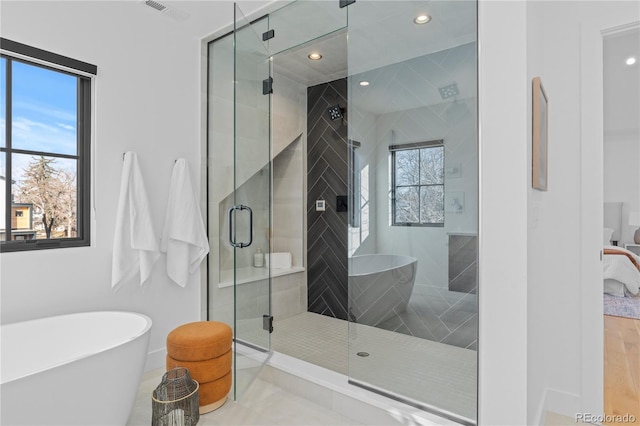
{"x":448,"y":91}
{"x":172,"y":12}
{"x":154,"y":4}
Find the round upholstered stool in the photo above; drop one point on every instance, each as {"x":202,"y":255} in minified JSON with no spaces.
{"x":204,"y":347}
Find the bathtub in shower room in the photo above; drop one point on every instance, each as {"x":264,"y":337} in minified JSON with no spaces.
{"x":380,"y":285}
{"x":76,"y":369}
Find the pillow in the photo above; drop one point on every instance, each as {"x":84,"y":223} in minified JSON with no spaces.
{"x":608,"y":232}
{"x":614,"y":288}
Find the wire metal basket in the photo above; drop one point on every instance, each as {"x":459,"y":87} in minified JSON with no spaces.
{"x":175,"y":401}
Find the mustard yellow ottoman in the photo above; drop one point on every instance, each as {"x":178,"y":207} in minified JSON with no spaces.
{"x":204,"y":347}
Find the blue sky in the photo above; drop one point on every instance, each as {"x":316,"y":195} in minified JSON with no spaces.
{"x":44,"y":113}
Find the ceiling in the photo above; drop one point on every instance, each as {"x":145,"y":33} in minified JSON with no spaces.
{"x":200,"y":18}
{"x":405,"y":63}
{"x":453,"y":24}
{"x":622,"y":86}
{"x":295,"y":64}
{"x":399,"y":86}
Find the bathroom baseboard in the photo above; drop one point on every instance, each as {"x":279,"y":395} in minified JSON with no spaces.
{"x":156,"y":359}
{"x":565,"y":403}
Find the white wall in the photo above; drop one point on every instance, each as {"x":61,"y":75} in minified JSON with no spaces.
{"x":458,"y":129}
{"x":564,"y":273}
{"x":502,"y":343}
{"x":537,"y":350}
{"x":146,"y":100}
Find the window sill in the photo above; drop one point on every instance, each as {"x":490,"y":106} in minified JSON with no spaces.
{"x":34,"y":245}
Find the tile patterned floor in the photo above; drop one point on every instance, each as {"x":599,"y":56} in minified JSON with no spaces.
{"x":555,"y":419}
{"x":439,"y":315}
{"x":443,"y":376}
{"x":263,"y":404}
{"x":314,"y":338}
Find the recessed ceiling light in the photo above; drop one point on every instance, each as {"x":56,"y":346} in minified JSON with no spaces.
{"x":364,"y":83}
{"x":314,"y":56}
{"x":631,"y":60}
{"x":422,"y":19}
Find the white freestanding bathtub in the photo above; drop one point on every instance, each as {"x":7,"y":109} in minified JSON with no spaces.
{"x":77,"y":369}
{"x":380,"y":285}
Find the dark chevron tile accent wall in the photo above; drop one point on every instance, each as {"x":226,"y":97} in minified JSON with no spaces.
{"x":463,"y":263}
{"x":447,"y":315}
{"x":327,"y":170}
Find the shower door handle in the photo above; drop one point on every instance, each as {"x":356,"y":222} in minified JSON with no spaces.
{"x":232,"y":237}
{"x":242,"y":245}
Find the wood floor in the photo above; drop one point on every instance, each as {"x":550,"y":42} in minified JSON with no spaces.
{"x":622,"y":366}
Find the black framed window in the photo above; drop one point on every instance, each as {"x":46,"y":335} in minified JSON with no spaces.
{"x":45,"y":141}
{"x":417,"y":184}
{"x":358,"y":198}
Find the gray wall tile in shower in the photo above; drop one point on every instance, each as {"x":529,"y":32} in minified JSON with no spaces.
{"x":463,"y":263}
{"x":326,"y":178}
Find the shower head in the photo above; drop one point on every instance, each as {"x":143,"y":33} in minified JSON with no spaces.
{"x":335,"y":112}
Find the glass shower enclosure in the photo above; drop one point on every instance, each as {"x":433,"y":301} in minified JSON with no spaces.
{"x":412,"y":106}
{"x":239,"y":194}
{"x":343,"y":194}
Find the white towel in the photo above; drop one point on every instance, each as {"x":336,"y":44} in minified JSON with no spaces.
{"x":135,"y":245}
{"x":184,"y":237}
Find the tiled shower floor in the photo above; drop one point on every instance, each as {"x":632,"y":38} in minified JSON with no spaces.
{"x":315,"y":338}
{"x":441,"y":375}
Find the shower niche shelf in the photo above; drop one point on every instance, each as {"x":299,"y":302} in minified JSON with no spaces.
{"x":250,"y":274}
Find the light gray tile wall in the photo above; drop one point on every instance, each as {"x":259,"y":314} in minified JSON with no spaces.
{"x":288,"y":295}
{"x":288,"y":146}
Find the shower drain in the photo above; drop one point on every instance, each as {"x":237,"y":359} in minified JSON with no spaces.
{"x":363,"y":354}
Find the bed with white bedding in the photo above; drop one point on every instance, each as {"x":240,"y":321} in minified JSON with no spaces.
{"x":621,"y":267}
{"x":621,"y":270}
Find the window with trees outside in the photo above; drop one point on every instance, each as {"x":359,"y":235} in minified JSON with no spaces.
{"x":359,"y":198}
{"x":45,"y":114}
{"x":417,"y":184}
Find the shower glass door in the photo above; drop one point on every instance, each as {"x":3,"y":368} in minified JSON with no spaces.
{"x":413,"y":230}
{"x":249,"y":217}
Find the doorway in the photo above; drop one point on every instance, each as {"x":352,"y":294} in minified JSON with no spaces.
{"x":621,"y":194}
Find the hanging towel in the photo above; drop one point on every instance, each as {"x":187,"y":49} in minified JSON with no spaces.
{"x":135,"y":245}
{"x":184,"y":237}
